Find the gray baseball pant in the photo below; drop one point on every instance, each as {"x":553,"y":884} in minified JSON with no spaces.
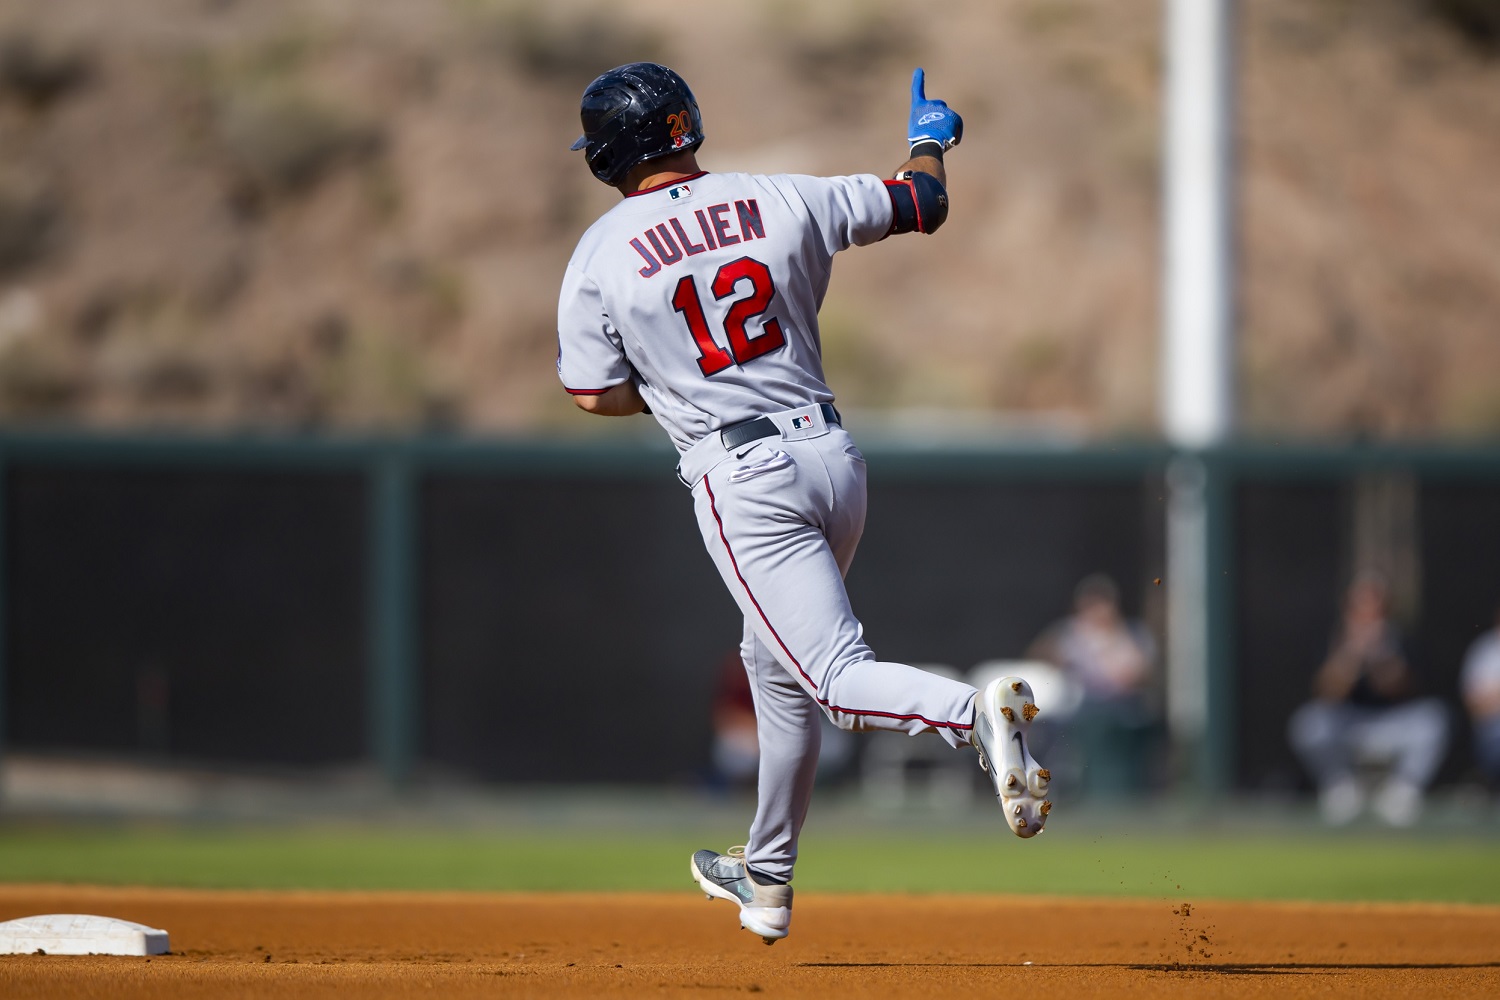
{"x":781,"y":520}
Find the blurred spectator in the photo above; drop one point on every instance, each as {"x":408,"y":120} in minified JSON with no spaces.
{"x":736,"y":750}
{"x":1481,"y":689}
{"x":1117,"y":726}
{"x":1366,"y":711}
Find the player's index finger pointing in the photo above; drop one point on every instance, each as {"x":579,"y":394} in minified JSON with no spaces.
{"x":918,"y":85}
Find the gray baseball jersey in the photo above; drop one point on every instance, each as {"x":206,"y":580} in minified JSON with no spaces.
{"x":705,"y":293}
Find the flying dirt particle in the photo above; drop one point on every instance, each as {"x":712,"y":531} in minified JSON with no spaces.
{"x":1157,"y":581}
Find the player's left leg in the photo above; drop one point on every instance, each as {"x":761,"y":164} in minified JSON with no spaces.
{"x":789,"y":726}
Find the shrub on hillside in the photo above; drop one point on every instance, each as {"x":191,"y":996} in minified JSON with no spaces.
{"x":29,"y":213}
{"x":281,"y":140}
{"x":1478,"y":21}
{"x":37,"y":73}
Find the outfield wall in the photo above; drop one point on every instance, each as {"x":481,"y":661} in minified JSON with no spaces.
{"x":545,"y":612}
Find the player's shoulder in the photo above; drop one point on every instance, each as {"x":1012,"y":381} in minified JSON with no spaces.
{"x":597,"y":236}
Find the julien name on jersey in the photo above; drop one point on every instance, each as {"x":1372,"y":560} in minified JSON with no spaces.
{"x":710,"y":228}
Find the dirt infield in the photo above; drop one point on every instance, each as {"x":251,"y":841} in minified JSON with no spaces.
{"x":304,"y":945}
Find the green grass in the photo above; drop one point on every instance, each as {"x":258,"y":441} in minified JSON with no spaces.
{"x":1297,"y":865}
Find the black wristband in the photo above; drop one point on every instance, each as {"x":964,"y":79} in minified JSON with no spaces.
{"x":927,"y":147}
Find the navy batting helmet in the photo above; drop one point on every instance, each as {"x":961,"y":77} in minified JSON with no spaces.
{"x":636,"y":113}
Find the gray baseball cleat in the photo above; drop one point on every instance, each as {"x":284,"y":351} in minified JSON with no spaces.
{"x":764,"y":909}
{"x":1002,"y":717}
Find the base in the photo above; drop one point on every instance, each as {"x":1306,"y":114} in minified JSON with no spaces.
{"x":79,"y":934}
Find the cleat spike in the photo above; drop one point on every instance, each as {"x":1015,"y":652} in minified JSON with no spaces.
{"x":1029,"y":711}
{"x":1018,"y":809}
{"x":1016,"y":686}
{"x":1010,"y":716}
{"x":1010,"y":781}
{"x":1021,"y":822}
{"x":1044,"y":774}
{"x":1046,"y":807}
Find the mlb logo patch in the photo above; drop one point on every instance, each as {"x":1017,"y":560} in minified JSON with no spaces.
{"x":802,"y":423}
{"x":680,"y":191}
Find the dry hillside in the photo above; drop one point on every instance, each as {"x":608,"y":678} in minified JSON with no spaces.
{"x":355,"y":213}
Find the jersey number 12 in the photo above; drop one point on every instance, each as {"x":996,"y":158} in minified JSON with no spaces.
{"x":712,"y":358}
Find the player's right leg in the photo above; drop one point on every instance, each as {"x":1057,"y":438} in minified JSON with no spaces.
{"x":1002,"y":724}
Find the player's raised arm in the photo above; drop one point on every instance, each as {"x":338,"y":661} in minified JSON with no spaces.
{"x":918,"y":192}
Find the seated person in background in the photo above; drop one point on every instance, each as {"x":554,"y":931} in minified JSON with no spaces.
{"x":1481,"y":689}
{"x":736,"y":746}
{"x":1113,"y":660}
{"x":1366,"y":709}
{"x":736,"y":739}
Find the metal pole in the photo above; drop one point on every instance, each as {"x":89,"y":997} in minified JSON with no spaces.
{"x":1198,"y":380}
{"x":1198,"y":375}
{"x":1187,"y":619}
{"x":392,"y":699}
{"x":1217,"y":768}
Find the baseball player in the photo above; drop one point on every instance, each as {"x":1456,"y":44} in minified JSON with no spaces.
{"x":695,"y":299}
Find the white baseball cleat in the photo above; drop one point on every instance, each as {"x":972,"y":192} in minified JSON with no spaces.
{"x":764,"y":909}
{"x":1002,"y":717}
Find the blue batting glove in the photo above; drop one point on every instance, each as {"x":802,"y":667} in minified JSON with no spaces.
{"x":931,"y":121}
